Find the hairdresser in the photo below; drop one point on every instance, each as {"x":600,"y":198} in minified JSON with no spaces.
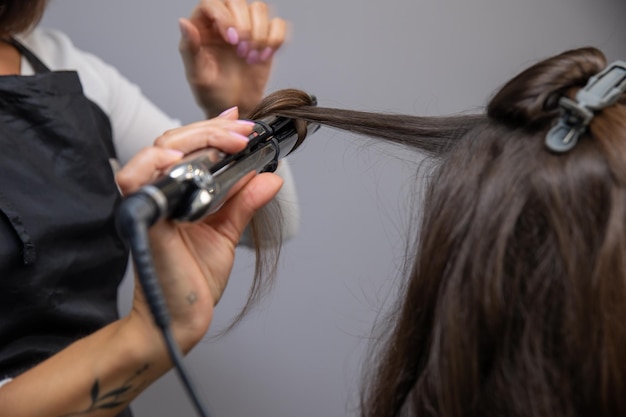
{"x":66,"y":118}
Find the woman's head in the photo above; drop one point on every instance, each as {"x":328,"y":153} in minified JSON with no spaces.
{"x":516,"y":296}
{"x":17,"y":16}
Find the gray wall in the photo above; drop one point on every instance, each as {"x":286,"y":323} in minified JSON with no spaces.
{"x":299,"y":354}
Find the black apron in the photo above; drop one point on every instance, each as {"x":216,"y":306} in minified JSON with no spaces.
{"x":61,"y":258}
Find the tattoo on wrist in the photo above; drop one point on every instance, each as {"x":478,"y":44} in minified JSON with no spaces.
{"x":112,"y":399}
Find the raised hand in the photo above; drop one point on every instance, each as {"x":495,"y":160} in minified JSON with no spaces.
{"x":228,"y":47}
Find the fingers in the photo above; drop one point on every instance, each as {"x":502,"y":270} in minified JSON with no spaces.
{"x":224,"y":132}
{"x":144,"y":167}
{"x":266,"y":31}
{"x":247,"y":26}
{"x":209,"y":12}
{"x":277,"y":33}
{"x":240,"y":17}
{"x":266,"y":34}
{"x":260,"y":22}
{"x":230,"y":136}
{"x":190,"y":37}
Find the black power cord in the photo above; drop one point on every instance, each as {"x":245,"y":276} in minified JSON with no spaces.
{"x":135,"y":216}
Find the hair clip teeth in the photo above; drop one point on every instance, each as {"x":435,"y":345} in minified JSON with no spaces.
{"x":601,"y":91}
{"x":563,"y":137}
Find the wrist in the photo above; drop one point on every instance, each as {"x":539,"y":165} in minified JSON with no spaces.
{"x":148,"y":338}
{"x":143,"y":341}
{"x":212,"y":101}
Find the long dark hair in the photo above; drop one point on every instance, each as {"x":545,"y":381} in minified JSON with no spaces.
{"x":515,"y":299}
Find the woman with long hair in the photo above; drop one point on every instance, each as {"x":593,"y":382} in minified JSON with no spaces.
{"x":515,"y":296}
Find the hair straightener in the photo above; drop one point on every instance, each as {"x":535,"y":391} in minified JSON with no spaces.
{"x":199,"y":184}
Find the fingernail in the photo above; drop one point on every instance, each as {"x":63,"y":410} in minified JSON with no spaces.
{"x":183,"y":30}
{"x":266,"y":54}
{"x":253,"y":57}
{"x":245,"y":122}
{"x":227,"y":111}
{"x":232,"y":36}
{"x":174,"y":152}
{"x":242,"y":49}
{"x":240,"y":136}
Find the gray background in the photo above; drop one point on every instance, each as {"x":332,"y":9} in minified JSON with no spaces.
{"x":300,"y":352}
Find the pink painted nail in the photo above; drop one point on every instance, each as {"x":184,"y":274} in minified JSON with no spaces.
{"x":174,"y":152}
{"x":245,"y":122}
{"x":240,"y":136}
{"x":227,"y":111}
{"x":243,"y":48}
{"x":253,"y":57}
{"x":232,"y":36}
{"x":267,"y":53}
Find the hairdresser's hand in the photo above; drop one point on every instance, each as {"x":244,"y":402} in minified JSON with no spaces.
{"x":194,"y":260}
{"x":227,"y":47}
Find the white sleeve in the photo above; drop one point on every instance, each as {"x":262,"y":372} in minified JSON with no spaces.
{"x":136,"y":122}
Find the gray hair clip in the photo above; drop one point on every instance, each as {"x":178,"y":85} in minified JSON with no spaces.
{"x":602,"y":90}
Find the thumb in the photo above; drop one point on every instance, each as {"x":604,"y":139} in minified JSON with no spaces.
{"x":229,"y":114}
{"x":190,"y":37}
{"x":237,"y":212}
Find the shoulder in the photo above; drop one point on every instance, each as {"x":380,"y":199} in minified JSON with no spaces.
{"x":57,"y":51}
{"x":135,"y":120}
{"x":53,"y":47}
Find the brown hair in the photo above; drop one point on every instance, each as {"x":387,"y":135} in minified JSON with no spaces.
{"x":430,"y":135}
{"x":515,"y":298}
{"x":18,"y":16}
{"x":515,"y":301}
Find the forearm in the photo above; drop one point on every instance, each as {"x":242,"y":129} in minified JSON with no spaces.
{"x":95,"y":376}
